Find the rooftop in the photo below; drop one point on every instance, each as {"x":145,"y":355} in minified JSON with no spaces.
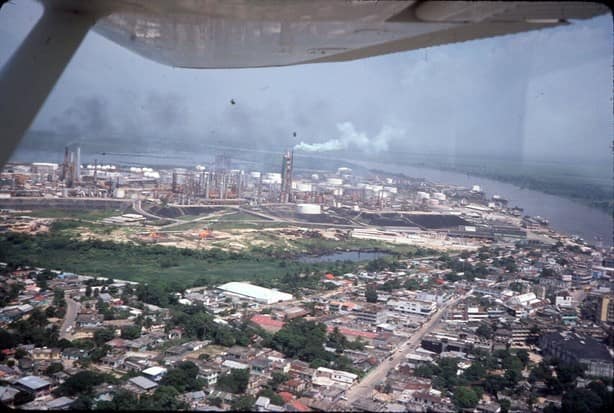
{"x":143,"y":382}
{"x":33,"y":382}
{"x":256,"y":292}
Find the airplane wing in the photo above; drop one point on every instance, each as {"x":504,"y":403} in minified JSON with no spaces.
{"x":239,"y":33}
{"x":258,"y":33}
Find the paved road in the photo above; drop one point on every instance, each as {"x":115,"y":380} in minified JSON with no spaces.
{"x":364,"y":389}
{"x":72,"y":309}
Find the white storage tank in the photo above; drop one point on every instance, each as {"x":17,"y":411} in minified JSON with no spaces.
{"x":302,"y":186}
{"x":476,"y":188}
{"x":391,"y":189}
{"x":334,"y":181}
{"x":273,"y":177}
{"x":374,"y":188}
{"x":308,"y":209}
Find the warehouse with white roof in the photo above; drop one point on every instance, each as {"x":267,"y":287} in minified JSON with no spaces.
{"x":255,"y":293}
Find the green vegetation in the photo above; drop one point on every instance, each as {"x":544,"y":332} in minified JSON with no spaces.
{"x":305,"y":340}
{"x":30,"y":331}
{"x":234,"y":382}
{"x":183,"y":377}
{"x":84,"y":214}
{"x":166,"y":266}
{"x":175,"y":269}
{"x":163,"y":399}
{"x":371,"y":294}
{"x":82,"y":382}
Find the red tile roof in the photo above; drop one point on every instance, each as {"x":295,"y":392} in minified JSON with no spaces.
{"x":286,"y":396}
{"x":299,"y":406}
{"x":264,"y":320}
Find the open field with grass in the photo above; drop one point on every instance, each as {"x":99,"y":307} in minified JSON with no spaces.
{"x":87,"y":214}
{"x":177,"y":268}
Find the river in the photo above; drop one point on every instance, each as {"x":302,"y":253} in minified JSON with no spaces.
{"x":565,"y":215}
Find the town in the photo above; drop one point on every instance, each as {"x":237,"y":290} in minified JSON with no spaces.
{"x":371,"y":292}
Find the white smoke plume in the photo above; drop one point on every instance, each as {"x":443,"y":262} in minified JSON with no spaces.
{"x":349,"y":137}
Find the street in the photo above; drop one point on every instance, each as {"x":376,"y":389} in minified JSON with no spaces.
{"x":377,"y":375}
{"x":72,"y":309}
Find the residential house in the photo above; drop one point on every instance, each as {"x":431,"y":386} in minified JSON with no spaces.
{"x":35,"y":385}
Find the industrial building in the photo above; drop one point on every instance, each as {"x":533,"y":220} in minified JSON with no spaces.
{"x":585,"y":350}
{"x":285,"y":195}
{"x":71,"y":168}
{"x":255,"y":293}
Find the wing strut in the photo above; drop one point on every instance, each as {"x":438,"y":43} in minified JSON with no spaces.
{"x":29,"y":75}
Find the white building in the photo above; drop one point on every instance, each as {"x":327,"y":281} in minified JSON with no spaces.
{"x":253,"y":292}
{"x":415,"y":306}
{"x":565,"y":300}
{"x":327,"y":377}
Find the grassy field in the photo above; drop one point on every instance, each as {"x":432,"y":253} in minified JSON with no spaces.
{"x":145,"y":263}
{"x":87,"y":214}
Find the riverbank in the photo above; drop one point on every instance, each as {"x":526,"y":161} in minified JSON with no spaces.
{"x":565,"y":215}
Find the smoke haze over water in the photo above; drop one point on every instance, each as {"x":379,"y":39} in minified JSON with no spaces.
{"x":349,"y":138}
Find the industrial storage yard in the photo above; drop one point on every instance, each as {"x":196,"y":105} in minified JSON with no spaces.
{"x":218,"y":207}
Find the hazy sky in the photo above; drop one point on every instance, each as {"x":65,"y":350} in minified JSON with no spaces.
{"x":545,"y":93}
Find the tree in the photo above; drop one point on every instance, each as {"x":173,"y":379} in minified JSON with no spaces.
{"x":103,"y":335}
{"x":412,"y":284}
{"x":123,"y":400}
{"x":7,"y":340}
{"x":83,"y":403}
{"x":81,"y":383}
{"x":22,"y":398}
{"x":41,"y":281}
{"x":485,"y":331}
{"x":465,"y":397}
{"x":99,"y":352}
{"x":426,"y":370}
{"x":523,"y":356}
{"x":278,"y":378}
{"x":512,"y":377}
{"x":131,"y":332}
{"x":183,"y":377}
{"x":371,"y":294}
{"x":88,"y":291}
{"x":20,"y":353}
{"x":234,"y":382}
{"x":303,"y":339}
{"x":243,"y":404}
{"x":567,"y":373}
{"x":274,"y":397}
{"x":517,"y":287}
{"x":54,"y":368}
{"x":38,"y":318}
{"x":475,"y":372}
{"x":164,"y":398}
{"x":581,"y":401}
